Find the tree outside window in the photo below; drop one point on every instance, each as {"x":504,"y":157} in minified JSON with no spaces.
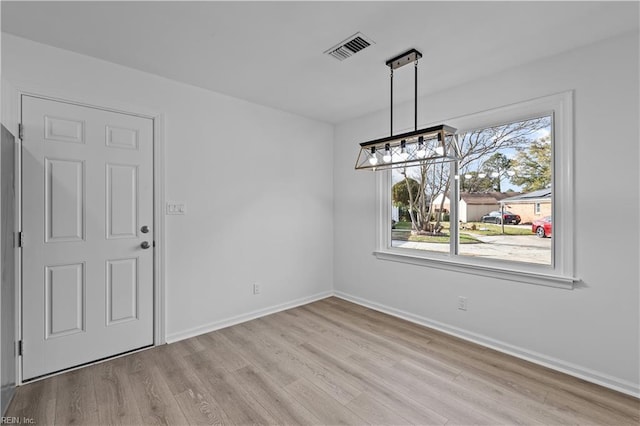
{"x":497,"y":162}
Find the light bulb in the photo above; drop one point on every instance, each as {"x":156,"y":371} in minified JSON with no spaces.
{"x":495,"y":174}
{"x":468,"y":176}
{"x":373,"y":160}
{"x":387,"y":154}
{"x":403,"y":151}
{"x":421,"y":152}
{"x":482,"y":175}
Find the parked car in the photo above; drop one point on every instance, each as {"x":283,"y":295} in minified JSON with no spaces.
{"x":494,"y":217}
{"x":542,"y":227}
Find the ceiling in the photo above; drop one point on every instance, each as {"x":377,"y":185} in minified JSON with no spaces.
{"x":271,"y":53}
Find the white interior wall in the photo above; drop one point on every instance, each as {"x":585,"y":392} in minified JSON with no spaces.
{"x":257,"y":183}
{"x":591,"y":331}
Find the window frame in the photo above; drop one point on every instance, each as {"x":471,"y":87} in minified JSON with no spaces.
{"x":560,"y":272}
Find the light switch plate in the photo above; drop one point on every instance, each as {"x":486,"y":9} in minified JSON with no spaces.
{"x":174,"y":207}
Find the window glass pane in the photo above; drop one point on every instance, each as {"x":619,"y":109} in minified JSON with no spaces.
{"x":420,"y":214}
{"x":505,"y":206}
{"x":506,"y":192}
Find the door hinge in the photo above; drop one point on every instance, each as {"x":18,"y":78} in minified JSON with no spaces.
{"x":20,"y":131}
{"x":20,"y":348}
{"x":19,"y":239}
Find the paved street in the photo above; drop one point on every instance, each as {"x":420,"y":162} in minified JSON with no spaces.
{"x":522,"y":248}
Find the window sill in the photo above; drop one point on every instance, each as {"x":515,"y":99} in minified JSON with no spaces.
{"x":529,"y":277}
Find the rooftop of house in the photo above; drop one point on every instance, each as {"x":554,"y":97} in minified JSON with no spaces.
{"x":486,"y":197}
{"x":540,"y":194}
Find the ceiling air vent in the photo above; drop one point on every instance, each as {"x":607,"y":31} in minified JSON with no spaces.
{"x":349,"y":47}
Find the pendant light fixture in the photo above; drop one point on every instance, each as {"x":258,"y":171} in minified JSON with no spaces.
{"x":435,"y":144}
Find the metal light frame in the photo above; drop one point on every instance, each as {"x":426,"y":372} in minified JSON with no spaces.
{"x":436,"y":144}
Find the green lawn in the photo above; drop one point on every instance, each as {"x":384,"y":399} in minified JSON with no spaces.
{"x":403,"y":225}
{"x":402,"y":232}
{"x":491,"y":229}
{"x":464,"y":239}
{"x":405,"y":235}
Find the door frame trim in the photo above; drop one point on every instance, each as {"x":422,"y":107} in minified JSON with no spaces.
{"x":157,"y":118}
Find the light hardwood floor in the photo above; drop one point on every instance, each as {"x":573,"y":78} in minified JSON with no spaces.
{"x":329,"y":362}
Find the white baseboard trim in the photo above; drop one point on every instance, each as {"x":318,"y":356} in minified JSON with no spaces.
{"x":196,"y":331}
{"x":571,"y":369}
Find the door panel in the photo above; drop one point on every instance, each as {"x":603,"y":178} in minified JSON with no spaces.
{"x":122,"y":290}
{"x":64,"y":200}
{"x":122,"y":196}
{"x":63,"y":129}
{"x":122,"y":138}
{"x":87,"y":191}
{"x":64,"y":300}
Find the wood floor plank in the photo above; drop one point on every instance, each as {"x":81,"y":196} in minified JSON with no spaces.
{"x":235,"y":401}
{"x":411,"y":410}
{"x":289,"y":331}
{"x":76,"y":397}
{"x":483,"y":402}
{"x":153,"y":397}
{"x":356,"y":341}
{"x":386,"y":348}
{"x":115,"y":397}
{"x":329,"y":357}
{"x":200,"y":408}
{"x":253,"y":353}
{"x":274,"y":398}
{"x":578,"y":389}
{"x":322,"y":405}
{"x":583,"y":411}
{"x":221,"y":351}
{"x":535,"y":411}
{"x":301,"y":321}
{"x":36,"y":401}
{"x":374,"y":412}
{"x":179,"y":376}
{"x":328,"y":362}
{"x":408,"y":336}
{"x":196,"y":403}
{"x":339,"y":387}
{"x":459,"y":408}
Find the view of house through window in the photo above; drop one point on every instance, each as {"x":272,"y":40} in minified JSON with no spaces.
{"x":505,"y":203}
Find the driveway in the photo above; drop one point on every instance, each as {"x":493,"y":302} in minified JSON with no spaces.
{"x":519,"y":248}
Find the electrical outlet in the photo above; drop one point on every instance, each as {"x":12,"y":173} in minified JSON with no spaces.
{"x":256,"y":288}
{"x":462,"y":303}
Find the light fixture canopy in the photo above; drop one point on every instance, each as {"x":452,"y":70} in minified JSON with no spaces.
{"x":435,"y":144}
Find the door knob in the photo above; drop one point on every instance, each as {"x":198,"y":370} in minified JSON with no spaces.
{"x":145,"y":245}
{"x":144,"y":229}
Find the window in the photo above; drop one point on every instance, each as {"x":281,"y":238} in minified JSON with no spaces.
{"x":515,"y":166}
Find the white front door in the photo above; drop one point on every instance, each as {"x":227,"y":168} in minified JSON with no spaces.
{"x":87,"y":216}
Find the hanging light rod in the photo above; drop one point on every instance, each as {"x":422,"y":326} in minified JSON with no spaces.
{"x":430,"y":145}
